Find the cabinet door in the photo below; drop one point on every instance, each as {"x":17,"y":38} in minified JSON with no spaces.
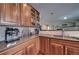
{"x":15,"y":13}
{"x":9,"y":13}
{"x":37,"y":45}
{"x":2,"y":11}
{"x":56,"y":49}
{"x":70,"y":50}
{"x":44,"y":45}
{"x":30,"y":50}
{"x":25,"y":14}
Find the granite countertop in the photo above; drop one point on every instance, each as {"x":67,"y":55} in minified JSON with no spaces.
{"x":60,"y":37}
{"x":4,"y":46}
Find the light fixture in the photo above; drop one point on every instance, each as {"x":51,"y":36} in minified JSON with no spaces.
{"x":51,"y":13}
{"x":65,"y":17}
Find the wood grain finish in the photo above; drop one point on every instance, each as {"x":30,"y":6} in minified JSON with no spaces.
{"x":56,"y":49}
{"x":69,"y":47}
{"x":17,"y":14}
{"x":70,"y":50}
{"x":25,"y":14}
{"x":10,"y":13}
{"x":44,"y":45}
{"x":30,"y":47}
{"x":58,"y":46}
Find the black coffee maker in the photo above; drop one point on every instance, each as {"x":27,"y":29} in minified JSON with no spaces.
{"x":11,"y":34}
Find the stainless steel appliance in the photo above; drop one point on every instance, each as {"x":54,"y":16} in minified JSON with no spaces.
{"x":11,"y":34}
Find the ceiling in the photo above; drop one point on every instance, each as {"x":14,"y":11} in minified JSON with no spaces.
{"x":54,"y":13}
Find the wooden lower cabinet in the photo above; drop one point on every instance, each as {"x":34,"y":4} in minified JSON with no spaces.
{"x":55,"y":46}
{"x":70,"y":50}
{"x":30,"y":47}
{"x":30,"y":50}
{"x":44,"y":45}
{"x":56,"y":49}
{"x":33,"y":47}
{"x":37,"y":45}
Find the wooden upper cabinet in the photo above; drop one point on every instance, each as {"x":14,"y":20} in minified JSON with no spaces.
{"x":10,"y":14}
{"x":15,"y":13}
{"x":56,"y":49}
{"x":28,"y":15}
{"x":25,"y":14}
{"x":2,"y":12}
{"x":34,"y":17}
{"x":70,"y":50}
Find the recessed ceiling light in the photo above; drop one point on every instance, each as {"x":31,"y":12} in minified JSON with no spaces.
{"x":65,"y":17}
{"x":51,"y":13}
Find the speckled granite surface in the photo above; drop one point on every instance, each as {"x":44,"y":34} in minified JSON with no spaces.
{"x":60,"y":37}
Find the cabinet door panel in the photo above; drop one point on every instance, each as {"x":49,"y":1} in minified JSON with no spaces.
{"x":2,"y":11}
{"x":7,"y":13}
{"x":30,"y":49}
{"x":25,"y":14}
{"x":44,"y":45}
{"x":70,"y":50}
{"x":56,"y":49}
{"x":10,"y":13}
{"x":37,"y":45}
{"x":15,"y":12}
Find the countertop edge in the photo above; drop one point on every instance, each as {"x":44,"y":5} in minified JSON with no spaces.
{"x":62,"y":38}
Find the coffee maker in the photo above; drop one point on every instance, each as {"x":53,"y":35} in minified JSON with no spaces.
{"x":11,"y":34}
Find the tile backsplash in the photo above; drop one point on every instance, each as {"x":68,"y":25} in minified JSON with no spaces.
{"x":2,"y":33}
{"x":24,"y":31}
